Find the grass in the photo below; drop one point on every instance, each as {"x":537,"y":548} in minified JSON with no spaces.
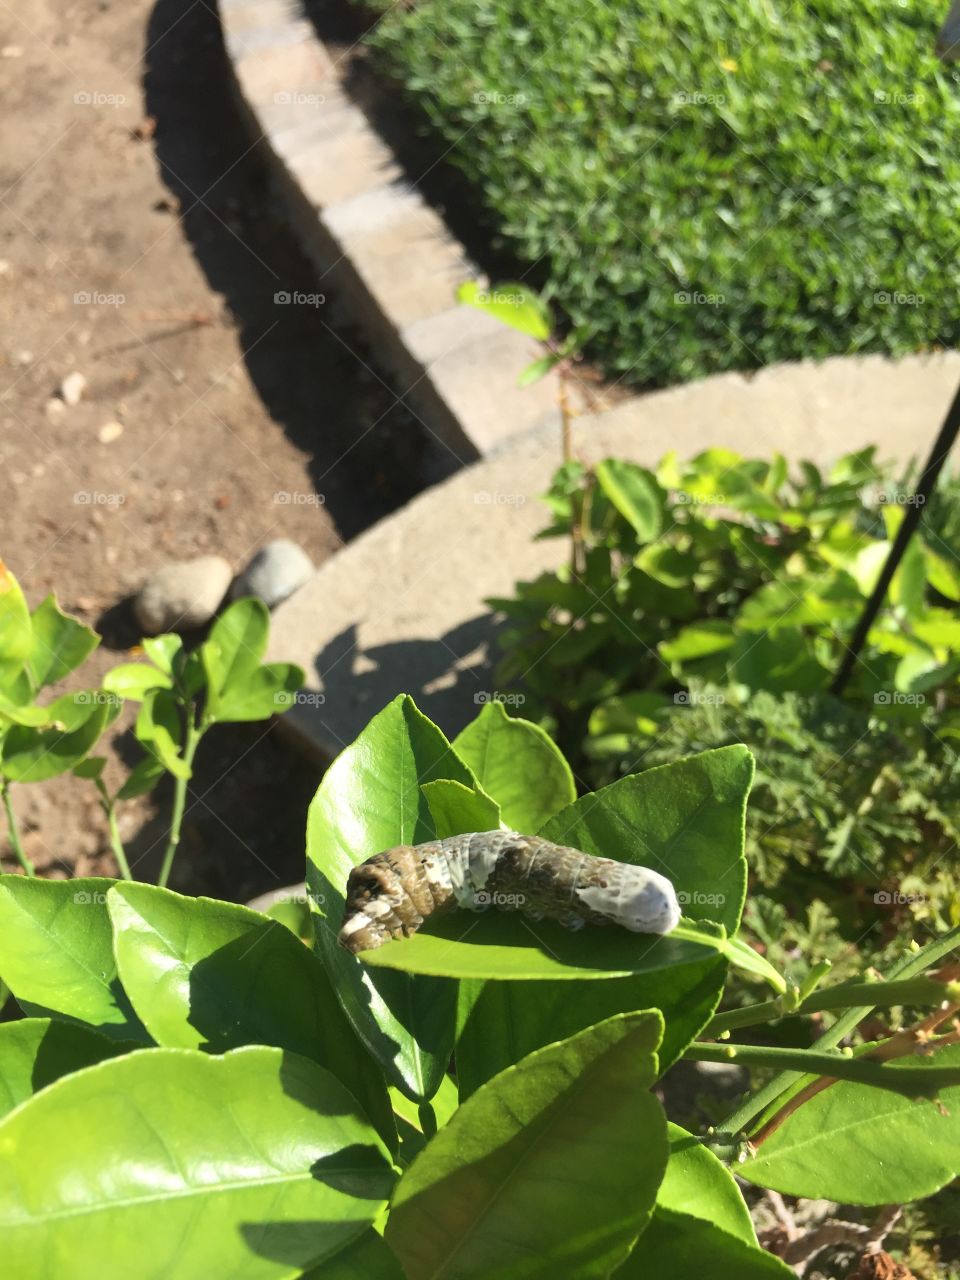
{"x":705,"y":186}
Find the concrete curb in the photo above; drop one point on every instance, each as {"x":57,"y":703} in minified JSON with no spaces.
{"x":401,"y":609}
{"x":371,"y":234}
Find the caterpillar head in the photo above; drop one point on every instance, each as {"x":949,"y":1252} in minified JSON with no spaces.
{"x":637,"y":899}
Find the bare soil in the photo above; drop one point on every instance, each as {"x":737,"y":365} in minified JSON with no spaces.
{"x":141,"y":247}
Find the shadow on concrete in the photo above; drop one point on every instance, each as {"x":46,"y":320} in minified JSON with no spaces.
{"x":449,"y":678}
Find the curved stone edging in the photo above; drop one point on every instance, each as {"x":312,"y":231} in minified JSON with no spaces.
{"x":372,"y":234}
{"x":401,"y":609}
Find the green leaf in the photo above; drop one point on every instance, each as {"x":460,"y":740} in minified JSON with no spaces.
{"x":501,"y":1022}
{"x":518,"y":765}
{"x":36,"y":1051}
{"x":92,"y":768}
{"x":60,"y":643}
{"x":697,"y":1183}
{"x":268,"y":691}
{"x":636,"y":495}
{"x":371,"y":799}
{"x":33,"y":755}
{"x":143,"y":777}
{"x":862,"y":1145}
{"x":215,"y":976}
{"x":56,"y":953}
{"x":455,"y":808}
{"x":160,"y":728}
{"x":538,"y":369}
{"x":16,"y":630}
{"x":943,"y":574}
{"x":163,"y":650}
{"x":370,"y":1258}
{"x":516,"y":305}
{"x":549,"y":1169}
{"x":135,"y":679}
{"x":685,"y":820}
{"x":253,"y":1164}
{"x":679,"y":1246}
{"x":234,"y":648}
{"x":700,"y":640}
{"x":700,"y":1225}
{"x":504,"y":946}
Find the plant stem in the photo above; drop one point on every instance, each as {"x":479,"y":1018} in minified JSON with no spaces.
{"x":193,"y":737}
{"x":909,"y":991}
{"x":908,"y":966}
{"x":566,"y":417}
{"x":116,"y":844}
{"x":835,"y":1066}
{"x":14,"y":832}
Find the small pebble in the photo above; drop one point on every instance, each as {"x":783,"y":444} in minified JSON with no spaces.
{"x":109,"y":432}
{"x":181,"y":596}
{"x":72,"y":388}
{"x":277,"y":570}
{"x":55,"y":409}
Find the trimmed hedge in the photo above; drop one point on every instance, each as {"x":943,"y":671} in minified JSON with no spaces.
{"x":706,"y":186}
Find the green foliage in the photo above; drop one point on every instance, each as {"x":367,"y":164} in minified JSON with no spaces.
{"x":709,"y":603}
{"x":703,"y":187}
{"x":729,"y":570}
{"x":195,"y":1092}
{"x":182,"y":696}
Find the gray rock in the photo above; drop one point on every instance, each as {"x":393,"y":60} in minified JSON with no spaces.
{"x":275,"y":572}
{"x":181,"y":596}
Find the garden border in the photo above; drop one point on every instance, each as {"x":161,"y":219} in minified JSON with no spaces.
{"x":370,"y":232}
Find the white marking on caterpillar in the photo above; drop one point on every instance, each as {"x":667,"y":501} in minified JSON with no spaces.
{"x":392,"y":893}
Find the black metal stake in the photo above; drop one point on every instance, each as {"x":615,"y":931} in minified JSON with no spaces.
{"x":931,"y":472}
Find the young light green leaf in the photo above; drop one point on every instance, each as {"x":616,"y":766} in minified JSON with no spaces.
{"x":538,"y":369}
{"x":135,"y":680}
{"x":160,"y":728}
{"x":635,"y":493}
{"x":16,"y":630}
{"x":255,"y":1164}
{"x":259,"y":694}
{"x":32,"y":755}
{"x":532,"y":1177}
{"x":518,"y":765}
{"x":371,"y":799}
{"x":162,"y":650}
{"x":56,"y":953}
{"x":60,"y":643}
{"x":36,"y":1051}
{"x":233,"y":651}
{"x":516,"y":305}
{"x":215,"y":976}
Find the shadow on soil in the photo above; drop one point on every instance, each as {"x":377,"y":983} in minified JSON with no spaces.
{"x":313,"y":373}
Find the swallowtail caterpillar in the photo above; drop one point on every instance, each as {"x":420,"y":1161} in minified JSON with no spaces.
{"x":391,"y":894}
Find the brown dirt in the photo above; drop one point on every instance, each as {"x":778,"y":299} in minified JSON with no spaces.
{"x":142,"y":248}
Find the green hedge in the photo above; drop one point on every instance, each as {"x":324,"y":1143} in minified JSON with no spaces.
{"x":706,"y":186}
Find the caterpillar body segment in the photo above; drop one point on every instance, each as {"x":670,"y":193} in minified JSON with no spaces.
{"x":391,"y":894}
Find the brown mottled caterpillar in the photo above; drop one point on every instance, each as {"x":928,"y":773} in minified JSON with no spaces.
{"x":391,"y":894}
